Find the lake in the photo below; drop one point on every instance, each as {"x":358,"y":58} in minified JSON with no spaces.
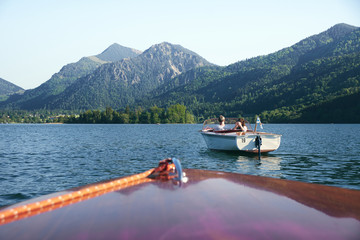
{"x":37,"y":159}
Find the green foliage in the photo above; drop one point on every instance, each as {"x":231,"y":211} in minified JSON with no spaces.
{"x":174,"y":114}
{"x":40,"y":116}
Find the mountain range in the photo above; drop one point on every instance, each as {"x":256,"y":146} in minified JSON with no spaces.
{"x":37,"y":98}
{"x":282,"y":86}
{"x":318,"y":76}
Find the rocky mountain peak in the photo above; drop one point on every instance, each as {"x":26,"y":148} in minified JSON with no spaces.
{"x":116,"y":52}
{"x":174,"y":53}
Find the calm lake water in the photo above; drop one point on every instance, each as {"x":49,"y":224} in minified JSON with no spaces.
{"x":41,"y":159}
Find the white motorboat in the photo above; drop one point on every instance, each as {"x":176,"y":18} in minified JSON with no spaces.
{"x":237,"y":140}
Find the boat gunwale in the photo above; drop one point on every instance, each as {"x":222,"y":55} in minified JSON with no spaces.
{"x":233,"y":133}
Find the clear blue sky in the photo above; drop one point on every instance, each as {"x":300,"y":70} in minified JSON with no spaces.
{"x":38,"y":37}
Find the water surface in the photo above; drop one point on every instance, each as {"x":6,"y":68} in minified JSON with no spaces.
{"x":41,"y":159}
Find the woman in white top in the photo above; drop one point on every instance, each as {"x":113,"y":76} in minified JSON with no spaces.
{"x":240,"y":124}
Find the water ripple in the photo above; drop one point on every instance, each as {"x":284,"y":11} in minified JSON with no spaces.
{"x":41,"y":159}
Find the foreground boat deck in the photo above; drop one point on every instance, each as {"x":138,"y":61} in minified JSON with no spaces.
{"x":215,"y":205}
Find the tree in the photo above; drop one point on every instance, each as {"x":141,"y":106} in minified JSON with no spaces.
{"x":144,"y":117}
{"x":155,"y":114}
{"x":124,"y":118}
{"x":108,"y":115}
{"x":176,"y":114}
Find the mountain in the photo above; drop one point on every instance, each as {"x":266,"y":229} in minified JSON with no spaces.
{"x":316,"y":79}
{"x":282,"y":86}
{"x":38,"y":97}
{"x":124,"y":82}
{"x":8,"y":88}
{"x":117,"y":52}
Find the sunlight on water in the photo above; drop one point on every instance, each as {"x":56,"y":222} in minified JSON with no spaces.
{"x":40,"y":159}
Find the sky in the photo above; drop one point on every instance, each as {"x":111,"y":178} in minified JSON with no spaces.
{"x":39,"y":37}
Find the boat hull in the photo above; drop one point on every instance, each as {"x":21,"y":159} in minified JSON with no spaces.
{"x":210,"y":205}
{"x":237,"y":141}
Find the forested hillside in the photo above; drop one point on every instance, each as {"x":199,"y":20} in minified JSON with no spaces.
{"x":122,"y":83}
{"x":39,"y":97}
{"x":314,"y":80}
{"x":7,"y":88}
{"x":283,"y":86}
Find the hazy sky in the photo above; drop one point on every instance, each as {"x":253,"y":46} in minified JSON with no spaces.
{"x":38,"y":37}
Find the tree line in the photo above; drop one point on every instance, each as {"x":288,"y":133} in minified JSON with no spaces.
{"x":173,"y":114}
{"x":39,"y":116}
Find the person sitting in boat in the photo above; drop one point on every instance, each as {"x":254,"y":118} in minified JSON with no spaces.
{"x":221,"y":125}
{"x":240,"y":125}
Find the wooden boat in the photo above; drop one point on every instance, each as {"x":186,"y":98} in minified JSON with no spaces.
{"x":161,"y":204}
{"x":236,"y":140}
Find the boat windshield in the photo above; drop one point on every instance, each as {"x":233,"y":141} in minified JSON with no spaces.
{"x":229,"y":123}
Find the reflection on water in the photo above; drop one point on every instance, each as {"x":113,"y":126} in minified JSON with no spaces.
{"x":265,"y":164}
{"x":246,"y":163}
